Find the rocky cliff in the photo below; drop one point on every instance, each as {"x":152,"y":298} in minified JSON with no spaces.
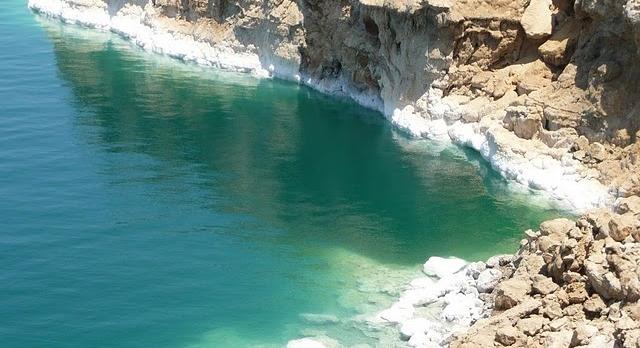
{"x":546,"y":90}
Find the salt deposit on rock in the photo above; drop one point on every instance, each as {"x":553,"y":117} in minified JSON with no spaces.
{"x":442,"y":267}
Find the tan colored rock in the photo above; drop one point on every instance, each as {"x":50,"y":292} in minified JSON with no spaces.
{"x":561,"y":339}
{"x":577,"y":292}
{"x":511,"y":292}
{"x":532,"y":325}
{"x":622,"y":226}
{"x":507,"y":335}
{"x":543,"y":285}
{"x":594,"y":305}
{"x":628,"y":205}
{"x":559,"y":48}
{"x":558,"y":227}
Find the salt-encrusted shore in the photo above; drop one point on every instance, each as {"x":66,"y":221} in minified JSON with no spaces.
{"x":454,"y":293}
{"x":529,"y":163}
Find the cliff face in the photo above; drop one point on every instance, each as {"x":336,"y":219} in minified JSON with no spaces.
{"x":561,"y":72}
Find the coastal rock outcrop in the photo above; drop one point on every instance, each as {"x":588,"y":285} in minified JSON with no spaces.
{"x":544,"y":90}
{"x":583,"y":278}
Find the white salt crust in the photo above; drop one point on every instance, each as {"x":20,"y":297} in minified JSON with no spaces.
{"x":559,"y":179}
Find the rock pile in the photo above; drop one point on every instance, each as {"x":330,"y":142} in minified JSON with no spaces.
{"x":572,"y":284}
{"x":447,"y":300}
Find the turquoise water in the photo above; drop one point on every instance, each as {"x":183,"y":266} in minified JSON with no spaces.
{"x":149,"y":203}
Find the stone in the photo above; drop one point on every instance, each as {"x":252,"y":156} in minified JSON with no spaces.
{"x":511,"y":292}
{"x":537,"y":20}
{"x":415,"y":326}
{"x":560,"y":339}
{"x":594,"y":305}
{"x":577,"y":292}
{"x":558,"y":227}
{"x":462,"y":309}
{"x":543,"y":285}
{"x":584,"y":332}
{"x":532,"y":325}
{"x":552,"y":310}
{"x":628,"y":205}
{"x":442,"y":267}
{"x":499,"y":260}
{"x":488,"y":279}
{"x":621,"y":226}
{"x":558,"y":324}
{"x":559,"y":48}
{"x":473,"y":269}
{"x":507,"y":335}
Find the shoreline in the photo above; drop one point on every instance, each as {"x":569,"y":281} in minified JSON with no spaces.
{"x":461,"y":289}
{"x":529,"y":163}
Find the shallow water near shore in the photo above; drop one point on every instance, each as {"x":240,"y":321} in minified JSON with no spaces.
{"x":146,"y":202}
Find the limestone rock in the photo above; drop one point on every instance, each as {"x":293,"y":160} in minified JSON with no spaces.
{"x":511,"y":292}
{"x":543,"y":285}
{"x":532,"y":325}
{"x":559,"y":48}
{"x":507,"y":335}
{"x":537,"y":19}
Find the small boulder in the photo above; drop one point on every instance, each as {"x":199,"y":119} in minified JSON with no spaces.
{"x":510,"y":292}
{"x":507,"y":335}
{"x":537,"y":20}
{"x":532,"y":325}
{"x":621,"y":226}
{"x":628,"y":205}
{"x":543,"y":285}
{"x":488,"y":279}
{"x":594,"y":305}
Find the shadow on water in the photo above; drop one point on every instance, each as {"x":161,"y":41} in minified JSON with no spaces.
{"x":309,"y":166}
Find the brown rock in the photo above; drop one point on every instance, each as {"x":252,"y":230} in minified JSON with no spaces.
{"x":559,"y":48}
{"x":594,"y":305}
{"x":507,"y":335}
{"x":543,"y":285}
{"x":511,"y":292}
{"x":577,"y":292}
{"x":628,"y":205}
{"x":621,"y":226}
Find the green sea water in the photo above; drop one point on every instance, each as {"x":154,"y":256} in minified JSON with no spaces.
{"x":150,"y":203}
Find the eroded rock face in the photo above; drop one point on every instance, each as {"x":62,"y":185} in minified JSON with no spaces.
{"x":587,"y":288}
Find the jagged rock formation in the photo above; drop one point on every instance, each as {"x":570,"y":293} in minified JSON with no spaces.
{"x":572,"y":284}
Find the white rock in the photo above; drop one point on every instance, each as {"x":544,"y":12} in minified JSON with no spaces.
{"x":537,"y":19}
{"x":305,"y":343}
{"x":474,"y":268}
{"x":398,"y":313}
{"x":422,"y":341}
{"x":414,"y":326}
{"x":442,"y":267}
{"x":458,"y":282}
{"x":462,"y":309}
{"x":488,"y":279}
{"x":494,"y":261}
{"x":419,"y":297}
